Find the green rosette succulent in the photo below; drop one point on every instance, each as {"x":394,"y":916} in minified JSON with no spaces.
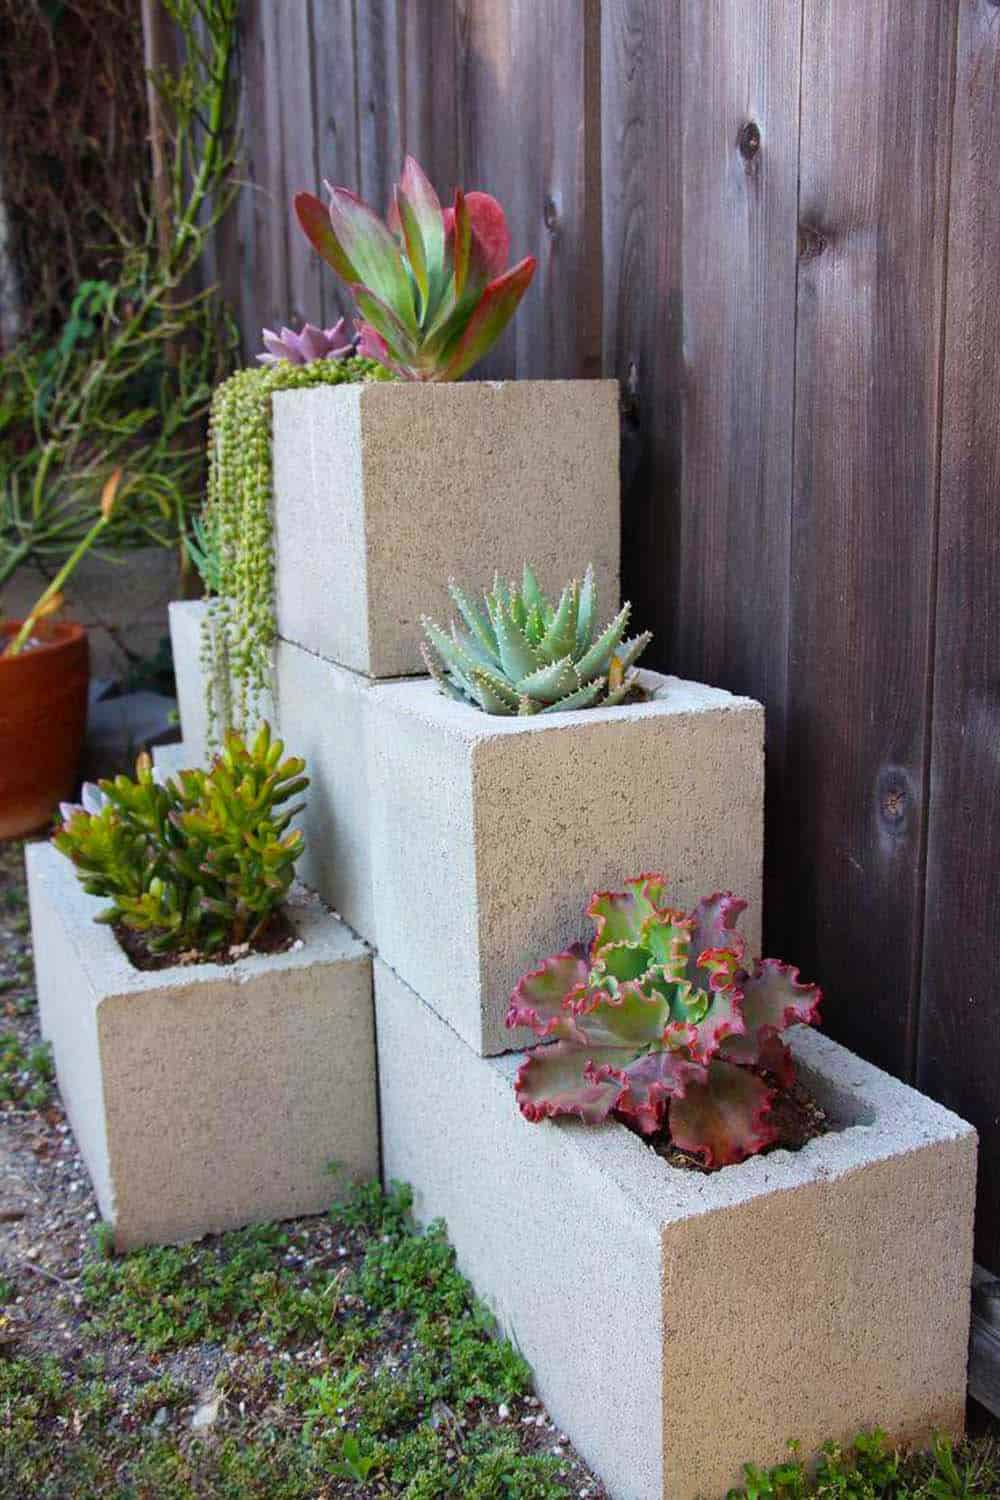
{"x":662,"y":1021}
{"x":519,"y":654}
{"x":201,"y":861}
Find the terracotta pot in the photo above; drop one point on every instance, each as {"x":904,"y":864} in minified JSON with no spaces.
{"x":43,"y":715}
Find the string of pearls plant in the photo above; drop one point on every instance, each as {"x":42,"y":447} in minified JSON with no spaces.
{"x":238,"y":635}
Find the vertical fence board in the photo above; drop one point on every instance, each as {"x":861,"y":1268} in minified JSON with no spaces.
{"x":876,"y":86}
{"x":265,"y":151}
{"x":739,"y":173}
{"x":556,"y":197}
{"x":298,"y":112}
{"x":380,"y":98}
{"x":335,"y":123}
{"x":430,"y":99}
{"x":959,"y":1052}
{"x":641,"y":237}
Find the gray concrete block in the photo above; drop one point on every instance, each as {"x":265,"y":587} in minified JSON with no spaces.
{"x":169,"y":759}
{"x":385,"y":491}
{"x":208,"y":1096}
{"x":322,"y":715}
{"x":488,"y":834}
{"x":680,"y":1324}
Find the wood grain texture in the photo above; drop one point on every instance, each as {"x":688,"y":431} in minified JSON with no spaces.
{"x":335,"y":123}
{"x":959,"y":1043}
{"x":430,"y":94}
{"x":299,"y":165}
{"x":739,"y":176}
{"x":642,"y":308}
{"x":266,"y":168}
{"x":378,"y":59}
{"x":874,"y":164}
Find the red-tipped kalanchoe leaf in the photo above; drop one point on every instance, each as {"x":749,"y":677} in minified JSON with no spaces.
{"x":443,"y":291}
{"x":492,"y":313}
{"x":651,"y":1082}
{"x":373,"y":253}
{"x":542,"y":998}
{"x":724,"y":1120}
{"x":560,"y":1080}
{"x":314,"y":221}
{"x":774,"y":996}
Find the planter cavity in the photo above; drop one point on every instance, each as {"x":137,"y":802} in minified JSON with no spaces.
{"x":208,"y":1096}
{"x":385,"y":491}
{"x":679,"y":1323}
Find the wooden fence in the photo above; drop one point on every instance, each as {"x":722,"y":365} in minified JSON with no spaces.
{"x":777,"y":222}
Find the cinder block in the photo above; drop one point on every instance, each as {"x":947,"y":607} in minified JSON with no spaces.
{"x":322,"y":715}
{"x":187,"y":621}
{"x":385,"y":491}
{"x":209,"y":1096}
{"x":489,"y":834}
{"x":680,"y":1324}
{"x":169,"y":759}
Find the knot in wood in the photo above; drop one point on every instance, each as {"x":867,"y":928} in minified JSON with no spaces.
{"x":550,"y":214}
{"x":811,"y":242}
{"x":748,"y":141}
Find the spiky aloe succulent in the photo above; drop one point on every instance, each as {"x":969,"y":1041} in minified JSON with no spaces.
{"x":661,"y":1021}
{"x":430,"y":285}
{"x":519,"y":654}
{"x":309,"y":344}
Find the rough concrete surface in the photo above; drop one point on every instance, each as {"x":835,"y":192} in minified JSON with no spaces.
{"x":169,"y":759}
{"x":488,"y":834}
{"x":321,"y":714}
{"x":679,"y":1324}
{"x":385,"y":491}
{"x":209,"y":1096}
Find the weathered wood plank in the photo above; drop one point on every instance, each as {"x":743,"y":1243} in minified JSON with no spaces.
{"x":380,"y":99}
{"x":959,"y":1047}
{"x":876,"y":86}
{"x":265,"y":161}
{"x":739,"y":175}
{"x":299,"y":163}
{"x":430,"y":97}
{"x":334,"y":87}
{"x":642,"y":315}
{"x":556,"y":195}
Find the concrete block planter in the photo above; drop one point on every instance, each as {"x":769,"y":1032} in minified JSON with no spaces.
{"x":321,"y":711}
{"x":488,"y":833}
{"x":209,"y":1096}
{"x":679,"y":1324}
{"x":385,"y":491}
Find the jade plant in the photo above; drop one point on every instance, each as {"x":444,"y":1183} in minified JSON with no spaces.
{"x":519,"y":654}
{"x":431,"y":286}
{"x":200,"y":862}
{"x":664,"y":1022}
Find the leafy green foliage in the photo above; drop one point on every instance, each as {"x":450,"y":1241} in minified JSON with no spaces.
{"x":431,"y":285}
{"x":202,"y":543}
{"x":127,"y":383}
{"x":519,"y":654}
{"x":870,"y":1470}
{"x":200,"y":862}
{"x":26,"y":1074}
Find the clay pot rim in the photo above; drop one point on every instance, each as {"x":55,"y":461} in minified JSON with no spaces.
{"x":67,"y":633}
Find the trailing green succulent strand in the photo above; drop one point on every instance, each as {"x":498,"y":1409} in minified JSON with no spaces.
{"x":200,"y":861}
{"x":240,"y":627}
{"x":519,"y":654}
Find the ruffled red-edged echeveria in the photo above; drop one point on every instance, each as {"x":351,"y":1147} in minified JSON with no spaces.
{"x":663,"y":1022}
{"x":431,"y":285}
{"x":309,"y":344}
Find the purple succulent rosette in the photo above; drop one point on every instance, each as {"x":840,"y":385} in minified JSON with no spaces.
{"x":664,"y":1022}
{"x":306,"y":346}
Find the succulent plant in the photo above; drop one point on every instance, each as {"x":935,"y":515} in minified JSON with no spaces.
{"x":430,"y":284}
{"x":521,"y":655}
{"x":662,"y":1021}
{"x":309,"y":344}
{"x":200,"y":861}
